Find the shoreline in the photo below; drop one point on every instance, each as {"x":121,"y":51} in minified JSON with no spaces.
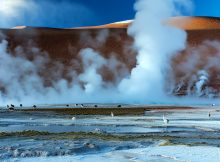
{"x":125,"y":110}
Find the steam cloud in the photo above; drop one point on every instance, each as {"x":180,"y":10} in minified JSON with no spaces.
{"x":155,"y":42}
{"x":198,"y":70}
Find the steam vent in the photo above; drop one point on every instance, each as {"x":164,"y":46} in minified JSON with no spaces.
{"x":192,"y":70}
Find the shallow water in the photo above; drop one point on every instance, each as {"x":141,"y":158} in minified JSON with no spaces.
{"x":136,"y":135}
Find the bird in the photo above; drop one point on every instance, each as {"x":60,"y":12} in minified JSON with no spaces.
{"x":74,"y":118}
{"x":11,"y":109}
{"x":209,"y":114}
{"x":82,"y":105}
{"x":34,"y":106}
{"x":97,"y":130}
{"x":21,"y":105}
{"x":165,"y":120}
{"x":112,"y":114}
{"x":90,"y":145}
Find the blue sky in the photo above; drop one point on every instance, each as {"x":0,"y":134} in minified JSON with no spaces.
{"x":207,"y":8}
{"x":70,"y":13}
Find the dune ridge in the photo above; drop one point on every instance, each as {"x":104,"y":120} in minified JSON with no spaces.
{"x":183,"y":22}
{"x":186,"y":23}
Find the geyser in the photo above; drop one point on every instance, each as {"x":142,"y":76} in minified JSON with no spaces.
{"x":155,"y":44}
{"x":30,"y":76}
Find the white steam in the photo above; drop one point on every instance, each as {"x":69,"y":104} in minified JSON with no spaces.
{"x":154,"y":42}
{"x":91,"y":78}
{"x":203,"y":78}
{"x":199,"y":69}
{"x":21,"y":80}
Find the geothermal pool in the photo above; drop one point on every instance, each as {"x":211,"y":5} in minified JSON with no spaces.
{"x":191,"y":135}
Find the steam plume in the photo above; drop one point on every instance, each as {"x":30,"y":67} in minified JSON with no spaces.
{"x":154,"y":41}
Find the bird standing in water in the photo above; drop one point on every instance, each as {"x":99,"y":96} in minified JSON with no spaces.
{"x":209,"y":114}
{"x":165,"y":120}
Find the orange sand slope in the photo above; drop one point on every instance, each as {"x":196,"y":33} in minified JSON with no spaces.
{"x":186,"y":23}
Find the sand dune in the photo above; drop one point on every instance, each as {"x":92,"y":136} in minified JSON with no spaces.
{"x":195,"y":23}
{"x":63,"y":45}
{"x":186,"y":23}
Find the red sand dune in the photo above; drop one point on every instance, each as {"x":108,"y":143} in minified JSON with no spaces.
{"x":186,"y":23}
{"x":63,"y":45}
